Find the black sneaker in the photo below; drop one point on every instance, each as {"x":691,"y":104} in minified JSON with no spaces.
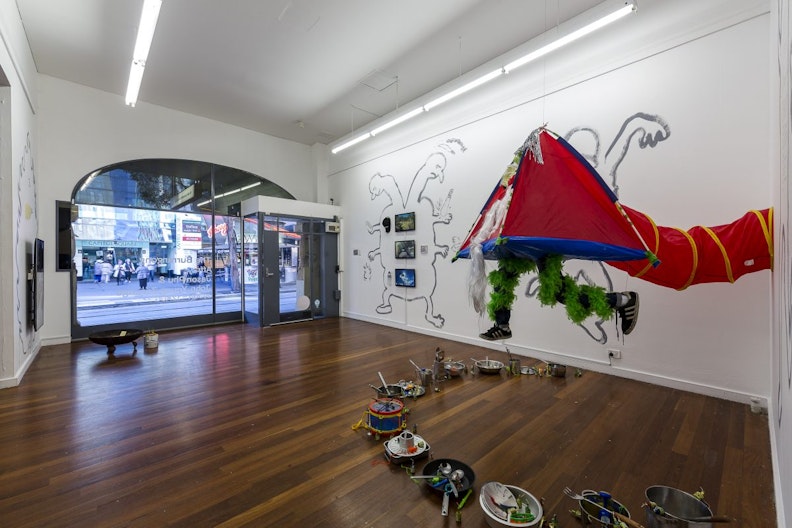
{"x":629,"y":313}
{"x":495,"y":333}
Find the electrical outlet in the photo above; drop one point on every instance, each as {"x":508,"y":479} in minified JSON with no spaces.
{"x":614,"y":353}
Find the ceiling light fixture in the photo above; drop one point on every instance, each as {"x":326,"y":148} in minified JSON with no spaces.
{"x":148,"y":22}
{"x":463,"y":89}
{"x":353,"y":141}
{"x":401,"y":119}
{"x":625,"y":10}
{"x":602,"y":15}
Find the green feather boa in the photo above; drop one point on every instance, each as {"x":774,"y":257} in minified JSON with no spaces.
{"x":581,"y":300}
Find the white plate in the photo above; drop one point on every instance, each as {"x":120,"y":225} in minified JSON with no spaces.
{"x":394,"y":450}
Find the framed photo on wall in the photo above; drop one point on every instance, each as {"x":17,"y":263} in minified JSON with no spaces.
{"x":405,"y":277}
{"x":404,"y":222}
{"x":405,"y":249}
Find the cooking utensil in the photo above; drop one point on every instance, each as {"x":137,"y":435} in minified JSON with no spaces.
{"x":384,"y":385}
{"x":679,"y":508}
{"x":432,"y":468}
{"x":498,"y":499}
{"x":572,"y":495}
{"x":453,"y":369}
{"x":414,"y":365}
{"x":527,"y":511}
{"x":444,"y":507}
{"x":669,"y":521}
{"x":394,"y":451}
{"x":391,"y":391}
{"x":489,"y":366}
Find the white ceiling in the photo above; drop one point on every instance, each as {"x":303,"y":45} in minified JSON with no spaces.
{"x":306,"y":70}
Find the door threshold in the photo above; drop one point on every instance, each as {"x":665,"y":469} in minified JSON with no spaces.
{"x":292,"y":321}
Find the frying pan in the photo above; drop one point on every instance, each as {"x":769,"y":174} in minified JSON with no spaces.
{"x":432,"y":468}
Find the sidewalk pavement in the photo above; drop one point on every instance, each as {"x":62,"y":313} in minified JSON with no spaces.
{"x":162,"y":289}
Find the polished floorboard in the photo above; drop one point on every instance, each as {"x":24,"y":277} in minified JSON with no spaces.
{"x":243,"y":426}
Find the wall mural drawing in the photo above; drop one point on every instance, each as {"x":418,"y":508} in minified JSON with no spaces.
{"x":647,"y":130}
{"x":784,"y":46}
{"x":26,"y":230}
{"x":431,"y":202}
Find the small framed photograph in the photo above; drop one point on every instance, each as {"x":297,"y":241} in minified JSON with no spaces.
{"x":404,"y":222}
{"x":405,"y":277}
{"x":405,"y":249}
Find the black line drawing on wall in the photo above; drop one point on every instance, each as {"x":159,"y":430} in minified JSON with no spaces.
{"x":428,"y":198}
{"x":26,"y":230}
{"x":784,"y":43}
{"x":647,"y":130}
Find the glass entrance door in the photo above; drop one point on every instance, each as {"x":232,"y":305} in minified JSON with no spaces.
{"x":294,"y":265}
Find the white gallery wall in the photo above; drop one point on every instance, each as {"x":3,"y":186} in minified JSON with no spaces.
{"x":672,"y":106}
{"x":19,"y":203}
{"x":781,"y":391}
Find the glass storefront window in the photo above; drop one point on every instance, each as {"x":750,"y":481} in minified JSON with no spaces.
{"x":158,"y":244}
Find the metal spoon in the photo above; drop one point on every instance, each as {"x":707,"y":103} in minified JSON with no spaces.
{"x":384,"y":385}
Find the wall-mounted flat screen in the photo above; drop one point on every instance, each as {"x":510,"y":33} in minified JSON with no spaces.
{"x":37,"y":285}
{"x":404,"y":222}
{"x":405,"y":249}
{"x":405,"y":277}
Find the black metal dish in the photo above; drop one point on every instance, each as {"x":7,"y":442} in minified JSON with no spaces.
{"x":111,"y":338}
{"x":433,"y":468}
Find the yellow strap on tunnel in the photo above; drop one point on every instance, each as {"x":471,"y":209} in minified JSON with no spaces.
{"x":726,"y":260}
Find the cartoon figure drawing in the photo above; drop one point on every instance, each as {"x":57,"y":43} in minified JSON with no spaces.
{"x":430,"y":203}
{"x":648,"y":131}
{"x":26,"y":228}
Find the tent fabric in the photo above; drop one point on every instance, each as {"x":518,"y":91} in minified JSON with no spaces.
{"x":704,"y":254}
{"x":551,"y":201}
{"x":548,"y":190}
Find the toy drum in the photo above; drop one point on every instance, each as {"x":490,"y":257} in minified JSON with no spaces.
{"x":386,"y":416}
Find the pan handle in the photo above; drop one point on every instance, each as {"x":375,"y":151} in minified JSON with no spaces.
{"x":444,"y":509}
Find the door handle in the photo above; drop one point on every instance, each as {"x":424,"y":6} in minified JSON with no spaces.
{"x":268,"y":273}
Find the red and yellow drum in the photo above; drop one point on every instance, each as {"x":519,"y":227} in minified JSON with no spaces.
{"x":386,"y":416}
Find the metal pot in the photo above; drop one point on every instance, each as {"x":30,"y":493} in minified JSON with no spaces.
{"x":454,"y":369}
{"x":606,"y":502}
{"x":556,"y":370}
{"x":678,"y":506}
{"x":489,"y":366}
{"x":396,"y":391}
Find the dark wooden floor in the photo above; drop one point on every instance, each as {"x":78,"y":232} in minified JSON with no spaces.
{"x":242,"y":426}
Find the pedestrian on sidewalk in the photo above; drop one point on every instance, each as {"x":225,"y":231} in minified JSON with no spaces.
{"x":98,"y":270}
{"x":107,"y":270}
{"x":142,"y":275}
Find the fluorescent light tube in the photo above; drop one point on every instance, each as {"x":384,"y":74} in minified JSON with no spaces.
{"x":351,"y":142}
{"x":464,"y":88}
{"x":624,"y":8}
{"x":135,"y":77}
{"x":148,"y":22}
{"x":401,"y":119}
{"x":571,"y":37}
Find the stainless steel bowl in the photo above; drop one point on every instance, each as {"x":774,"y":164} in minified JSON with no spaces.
{"x":454,"y":369}
{"x":489,"y":366}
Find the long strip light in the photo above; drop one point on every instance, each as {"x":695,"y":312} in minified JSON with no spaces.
{"x":626,"y":7}
{"x":148,"y":22}
{"x":401,"y":119}
{"x":463,"y":89}
{"x":353,"y":141}
{"x":571,"y":37}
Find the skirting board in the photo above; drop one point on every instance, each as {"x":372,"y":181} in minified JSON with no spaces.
{"x":602,"y":367}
